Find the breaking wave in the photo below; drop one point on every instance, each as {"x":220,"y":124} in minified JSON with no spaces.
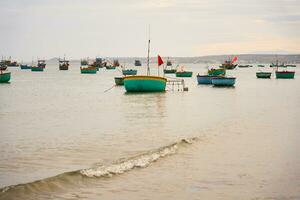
{"x":118,"y":167}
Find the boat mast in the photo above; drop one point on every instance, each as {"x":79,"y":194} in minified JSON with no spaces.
{"x":148,"y":69}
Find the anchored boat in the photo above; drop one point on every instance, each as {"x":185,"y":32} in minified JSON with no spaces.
{"x":285,"y":74}
{"x":223,"y":81}
{"x":63,"y":64}
{"x":216,"y":72}
{"x":24,"y":66}
{"x":88,"y":69}
{"x":137,"y":63}
{"x":129,"y":72}
{"x":146,"y":83}
{"x":4,"y":76}
{"x":205,"y":79}
{"x":229,"y":64}
{"x":263,"y":74}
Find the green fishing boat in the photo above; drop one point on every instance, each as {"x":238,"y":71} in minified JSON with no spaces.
{"x":263,"y":74}
{"x":146,"y":83}
{"x":285,"y":74}
{"x":119,"y":80}
{"x":4,"y":77}
{"x":169,"y":71}
{"x":216,"y":72}
{"x":291,"y":65}
{"x":260,"y":66}
{"x":184,"y":74}
{"x":37,"y":68}
{"x":88,"y":70}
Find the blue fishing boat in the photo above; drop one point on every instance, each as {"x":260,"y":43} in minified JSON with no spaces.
{"x":205,"y":79}
{"x":129,"y":72}
{"x":223,"y":81}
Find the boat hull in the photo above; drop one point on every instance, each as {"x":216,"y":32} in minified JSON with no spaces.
{"x":119,"y":80}
{"x":216,"y":72}
{"x":88,"y":71}
{"x":184,"y":74}
{"x":145,"y":84}
{"x":37,"y":69}
{"x":228,"y":66}
{"x":205,"y":79}
{"x":223,"y":81}
{"x":129,"y":72}
{"x":263,"y":74}
{"x":285,"y":75}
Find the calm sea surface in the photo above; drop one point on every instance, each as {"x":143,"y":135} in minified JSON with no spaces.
{"x":63,"y":137}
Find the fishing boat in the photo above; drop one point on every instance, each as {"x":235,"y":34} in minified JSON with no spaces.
{"x":4,"y":77}
{"x":84,"y":62}
{"x":229,"y":64}
{"x":110,"y":67}
{"x":9,"y":63}
{"x":25,"y":66}
{"x":169,"y":63}
{"x":243,"y":66}
{"x":216,"y":72}
{"x":98,"y":63}
{"x":260,"y":66}
{"x":119,"y":80}
{"x":129,"y":72}
{"x":88,"y":69}
{"x":184,"y":74}
{"x":284,"y":74}
{"x":291,"y":65}
{"x":170,"y":71}
{"x":37,"y":68}
{"x":41,"y":63}
{"x":116,"y":63}
{"x":205,"y":79}
{"x":263,"y":74}
{"x":63,"y":64}
{"x":137,"y":63}
{"x":223,"y":81}
{"x":146,"y":83}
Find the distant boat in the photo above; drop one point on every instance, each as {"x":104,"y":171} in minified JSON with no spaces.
{"x":243,"y":66}
{"x":63,"y":64}
{"x":137,"y":63}
{"x":119,"y":80}
{"x":229,"y":64}
{"x":116,"y":63}
{"x":285,"y":74}
{"x":169,"y":63}
{"x":205,"y":79}
{"x":99,"y":63}
{"x":9,"y":63}
{"x":88,"y":69}
{"x":41,"y":63}
{"x":24,"y":66}
{"x":291,"y":65}
{"x":37,"y":68}
{"x":169,"y":71}
{"x":110,"y":67}
{"x":3,"y":67}
{"x":216,"y":72}
{"x":260,"y":66}
{"x":129,"y":72}
{"x":263,"y":74}
{"x":184,"y":74}
{"x":146,"y":83}
{"x":223,"y":81}
{"x":84,"y":62}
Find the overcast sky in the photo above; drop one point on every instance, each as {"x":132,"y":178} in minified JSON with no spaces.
{"x":82,"y":28}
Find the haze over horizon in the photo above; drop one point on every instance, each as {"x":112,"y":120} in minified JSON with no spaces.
{"x":79,"y":28}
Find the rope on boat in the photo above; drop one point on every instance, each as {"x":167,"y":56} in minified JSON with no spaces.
{"x":109,"y":88}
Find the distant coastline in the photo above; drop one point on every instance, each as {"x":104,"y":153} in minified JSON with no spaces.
{"x":242,"y":58}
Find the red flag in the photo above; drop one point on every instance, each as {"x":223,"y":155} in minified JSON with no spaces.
{"x":233,"y":60}
{"x":159,"y":60}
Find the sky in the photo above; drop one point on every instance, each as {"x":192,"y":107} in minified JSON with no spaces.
{"x":120,"y":28}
